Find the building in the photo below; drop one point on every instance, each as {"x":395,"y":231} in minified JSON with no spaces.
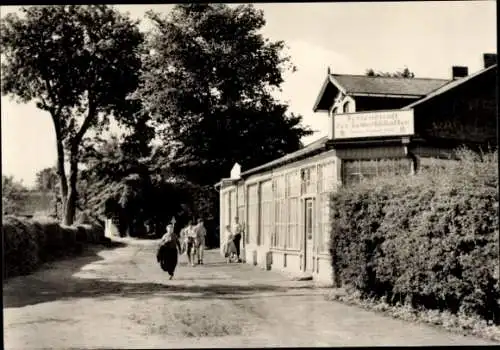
{"x":378,"y":126}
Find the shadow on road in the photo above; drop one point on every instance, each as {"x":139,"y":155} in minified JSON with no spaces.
{"x":37,"y":291}
{"x":57,"y":281}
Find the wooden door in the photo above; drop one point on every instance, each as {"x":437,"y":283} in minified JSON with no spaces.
{"x":308,"y":234}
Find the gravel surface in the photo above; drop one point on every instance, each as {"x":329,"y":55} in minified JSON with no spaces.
{"x":120,"y":298}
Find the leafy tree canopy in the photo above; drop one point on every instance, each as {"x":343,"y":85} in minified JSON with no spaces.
{"x":78,"y":63}
{"x":208,"y":80}
{"x":405,"y":73}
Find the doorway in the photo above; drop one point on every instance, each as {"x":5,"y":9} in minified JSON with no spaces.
{"x":308,"y":234}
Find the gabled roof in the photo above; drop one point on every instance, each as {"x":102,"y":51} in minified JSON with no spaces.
{"x":355,"y":84}
{"x":307,"y":150}
{"x":451,"y":85}
{"x":362,"y":85}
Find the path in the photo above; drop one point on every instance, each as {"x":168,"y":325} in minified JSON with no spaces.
{"x":122,"y":299}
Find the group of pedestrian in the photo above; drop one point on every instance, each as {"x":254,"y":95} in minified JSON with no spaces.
{"x":231,"y":247}
{"x":191,"y":242}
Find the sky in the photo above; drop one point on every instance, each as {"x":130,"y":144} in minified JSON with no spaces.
{"x":427,"y":37}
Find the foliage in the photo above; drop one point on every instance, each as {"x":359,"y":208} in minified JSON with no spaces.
{"x":430,"y":240}
{"x":459,"y":323}
{"x":207,"y":83}
{"x":13,"y":195}
{"x":133,"y":191}
{"x":47,"y":181}
{"x":78,"y":63}
{"x":405,"y":73}
{"x":29,"y":243}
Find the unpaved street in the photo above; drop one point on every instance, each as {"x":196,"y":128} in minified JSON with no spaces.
{"x":120,"y":298}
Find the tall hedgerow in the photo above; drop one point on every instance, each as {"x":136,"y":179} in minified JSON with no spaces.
{"x":430,"y":239}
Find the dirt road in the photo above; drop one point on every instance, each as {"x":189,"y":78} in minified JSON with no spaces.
{"x":121,"y":298}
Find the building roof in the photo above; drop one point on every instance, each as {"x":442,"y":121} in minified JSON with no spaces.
{"x":307,"y":150}
{"x":362,"y":85}
{"x":451,"y":85}
{"x":355,"y":84}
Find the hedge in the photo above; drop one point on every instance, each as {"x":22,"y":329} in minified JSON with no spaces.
{"x":30,"y":242}
{"x":429,"y":240}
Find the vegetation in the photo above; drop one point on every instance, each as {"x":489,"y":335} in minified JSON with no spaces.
{"x":202,"y":88}
{"x":78,"y":63}
{"x":429,"y":241}
{"x":208,"y":81}
{"x":13,"y":195}
{"x":405,"y":73}
{"x":30,"y":243}
{"x":47,"y":182}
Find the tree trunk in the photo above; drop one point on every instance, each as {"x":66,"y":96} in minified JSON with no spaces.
{"x":70,"y":207}
{"x":61,"y":171}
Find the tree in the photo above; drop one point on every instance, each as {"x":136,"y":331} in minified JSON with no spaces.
{"x":209,"y":79}
{"x":78,"y":63}
{"x":14,"y":195}
{"x":47,"y":181}
{"x":405,"y":73}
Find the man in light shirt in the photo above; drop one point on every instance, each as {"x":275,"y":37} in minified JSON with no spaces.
{"x":238,"y":234}
{"x":201,"y":234}
{"x":189,"y":237}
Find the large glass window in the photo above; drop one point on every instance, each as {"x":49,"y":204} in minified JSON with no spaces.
{"x":266,"y":214}
{"x":326,"y":184}
{"x":253,"y":214}
{"x":280,"y":225}
{"x":292,"y":186}
{"x":308,"y":180}
{"x":355,"y":171}
{"x":232,"y":207}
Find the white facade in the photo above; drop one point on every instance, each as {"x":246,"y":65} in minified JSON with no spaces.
{"x":286,"y":215}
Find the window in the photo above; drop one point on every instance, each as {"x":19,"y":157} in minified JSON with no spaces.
{"x":232,"y":207}
{"x":292,"y":194}
{"x":227,"y":209}
{"x":293,"y":223}
{"x":355,"y":171}
{"x":347,"y":106}
{"x":266,"y":214}
{"x":309,"y":217}
{"x":280,"y":227}
{"x":253,"y":214}
{"x":334,"y":111}
{"x":241,"y":207}
{"x":308,"y":180}
{"x":326,"y":184}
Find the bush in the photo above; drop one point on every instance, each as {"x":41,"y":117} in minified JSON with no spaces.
{"x":94,"y":226}
{"x":28,"y":243}
{"x":20,"y":246}
{"x":430,"y":240}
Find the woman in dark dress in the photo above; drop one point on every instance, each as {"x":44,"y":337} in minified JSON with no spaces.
{"x":167,"y":254}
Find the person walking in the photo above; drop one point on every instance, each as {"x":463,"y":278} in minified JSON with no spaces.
{"x":167,"y":254}
{"x":191,"y":243}
{"x":184,"y":236}
{"x":229,"y":249}
{"x":238,"y":234}
{"x":201,"y":234}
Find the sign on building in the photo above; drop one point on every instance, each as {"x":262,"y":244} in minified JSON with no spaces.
{"x":373,"y":124}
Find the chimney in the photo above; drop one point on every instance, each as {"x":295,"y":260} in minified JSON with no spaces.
{"x":458,"y":72}
{"x":489,"y":59}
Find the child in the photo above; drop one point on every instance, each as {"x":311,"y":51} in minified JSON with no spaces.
{"x":229,"y":246}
